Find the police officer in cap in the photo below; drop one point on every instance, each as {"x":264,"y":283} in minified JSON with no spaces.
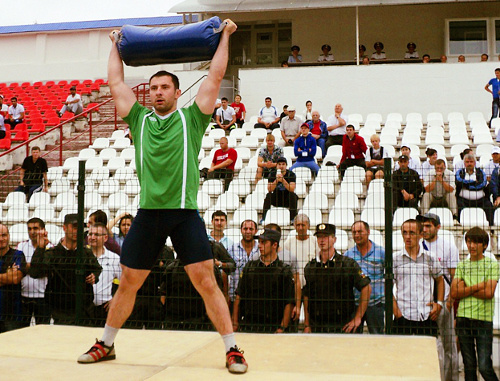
{"x":329,"y":301}
{"x":265,"y":294}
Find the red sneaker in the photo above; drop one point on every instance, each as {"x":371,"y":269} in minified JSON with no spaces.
{"x":98,"y":352}
{"x":235,"y":362}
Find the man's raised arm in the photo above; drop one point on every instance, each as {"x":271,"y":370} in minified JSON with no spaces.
{"x":122,"y":94}
{"x":209,"y":89}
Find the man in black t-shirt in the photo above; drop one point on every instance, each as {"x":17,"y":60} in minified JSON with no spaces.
{"x":33,"y":174}
{"x":281,"y":188}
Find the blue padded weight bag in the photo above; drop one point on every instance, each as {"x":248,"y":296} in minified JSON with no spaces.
{"x":141,"y":46}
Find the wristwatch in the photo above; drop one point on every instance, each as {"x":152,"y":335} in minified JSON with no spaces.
{"x":441,"y":303}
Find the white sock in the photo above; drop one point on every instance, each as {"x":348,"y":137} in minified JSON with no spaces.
{"x":109,"y":335}
{"x":229,"y":341}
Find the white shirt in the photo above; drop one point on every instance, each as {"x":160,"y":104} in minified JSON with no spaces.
{"x":490,"y":167}
{"x":411,"y":55}
{"x":376,"y":151}
{"x":414,"y":281}
{"x":71,"y":98}
{"x":110,"y":263}
{"x":226,"y":114}
{"x":333,"y":120}
{"x":16,"y":111}
{"x":426,"y":167}
{"x":446,"y":252}
{"x":377,"y":56}
{"x":31,"y":287}
{"x":304,"y":251}
{"x":268,"y":114}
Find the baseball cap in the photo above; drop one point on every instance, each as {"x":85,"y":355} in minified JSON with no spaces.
{"x":327,"y":229}
{"x":429,"y":216}
{"x":70,"y":219}
{"x":291,"y":108}
{"x":495,"y":150}
{"x":403,"y":157}
{"x":281,"y":160}
{"x":269,"y":235}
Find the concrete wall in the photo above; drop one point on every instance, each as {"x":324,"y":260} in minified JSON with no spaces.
{"x":386,"y":88}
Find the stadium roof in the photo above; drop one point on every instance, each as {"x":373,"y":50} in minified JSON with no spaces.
{"x":97,"y":24}
{"x":228,"y":6}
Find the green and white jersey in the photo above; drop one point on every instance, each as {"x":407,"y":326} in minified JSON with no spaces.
{"x":166,"y":155}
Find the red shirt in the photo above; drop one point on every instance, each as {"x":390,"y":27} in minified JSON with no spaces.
{"x":316,"y":130}
{"x":221,"y":156}
{"x":353,"y":149}
{"x":239,"y":108}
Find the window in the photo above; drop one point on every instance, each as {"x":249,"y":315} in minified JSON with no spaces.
{"x":497,"y":36}
{"x":467,"y":37}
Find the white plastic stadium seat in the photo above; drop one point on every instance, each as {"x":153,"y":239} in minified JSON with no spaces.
{"x":341,"y":218}
{"x":374,"y":217}
{"x":243,"y":214}
{"x":470,"y":217}
{"x":279,"y":216}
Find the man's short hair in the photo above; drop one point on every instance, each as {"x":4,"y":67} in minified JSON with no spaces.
{"x":35,"y":148}
{"x":164,"y":73}
{"x":426,"y":55}
{"x":440,"y":161}
{"x":269,"y":99}
{"x":497,"y":69}
{"x":224,"y":99}
{"x":252,"y":221}
{"x":375,"y":136}
{"x":101,"y":225}
{"x":270,"y":137}
{"x":273,"y":227}
{"x":469,"y":156}
{"x":219,"y":213}
{"x":13,"y":99}
{"x":36,"y":220}
{"x":302,"y":218}
{"x":430,"y":151}
{"x":350,"y":126}
{"x":420,"y":227}
{"x":478,"y":235}
{"x":99,"y":217}
{"x":465,"y":152}
{"x":365,"y":224}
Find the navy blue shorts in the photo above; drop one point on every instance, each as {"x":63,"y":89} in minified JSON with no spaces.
{"x":150,"y":229}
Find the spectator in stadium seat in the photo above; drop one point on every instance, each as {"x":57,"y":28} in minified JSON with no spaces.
{"x":472,"y":188}
{"x":268,"y":117}
{"x":362,"y":53}
{"x":3,"y":130}
{"x":4,"y":109}
{"x":427,"y":165}
{"x":12,"y":270}
{"x":493,"y":163}
{"x":460,"y":164}
{"x":290,"y":127}
{"x":366,"y":61}
{"x":378,"y":54}
{"x":439,"y":188}
{"x":495,"y":91}
{"x":281,"y":190}
{"x":374,"y":160}
{"x":223,"y":163}
{"x":416,"y":274}
{"x":124,"y":223}
{"x":219,"y":223}
{"x":326,"y":56}
{"x":495,"y":187}
{"x":72,"y":104}
{"x":33,"y":174}
{"x":412,"y":163}
{"x":242,"y":252}
{"x":353,"y":151}
{"x":265,"y":294}
{"x":426,"y":58}
{"x":329,"y":301}
{"x":225,"y":117}
{"x":99,"y":216}
{"x":59,"y":265}
{"x":484,"y":57}
{"x":268,"y":158}
{"x":319,"y":131}
{"x":412,"y":52}
{"x":33,"y":290}
{"x":336,"y":126}
{"x":407,"y":186}
{"x":308,"y":111}
{"x":474,"y":284}
{"x":111,"y":272}
{"x":461,"y":58}
{"x":240,"y":110}
{"x":443,"y":59}
{"x":284,"y":113}
{"x":371,"y":259}
{"x":16,"y":113}
{"x":305,"y":150}
{"x":295,"y":56}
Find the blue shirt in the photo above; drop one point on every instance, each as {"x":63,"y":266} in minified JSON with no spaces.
{"x":495,"y":87}
{"x":224,"y":241}
{"x":372,"y":265}
{"x":240,"y":256}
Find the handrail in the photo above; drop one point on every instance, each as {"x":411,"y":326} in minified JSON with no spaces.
{"x":59,"y":126}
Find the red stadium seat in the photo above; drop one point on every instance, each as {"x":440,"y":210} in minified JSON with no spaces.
{"x":90,"y":105}
{"x":50,"y":84}
{"x":5,"y":143}
{"x":37,"y":84}
{"x":24,"y":85}
{"x":53,"y":121}
{"x":20,"y":127}
{"x":87,"y":82}
{"x":62,"y":83}
{"x":21,"y":136}
{"x":74,"y":82}
{"x":37,"y":127}
{"x":101,"y":82}
{"x":13,"y":85}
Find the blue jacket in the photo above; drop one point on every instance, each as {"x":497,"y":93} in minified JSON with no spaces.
{"x":478,"y":185}
{"x":494,"y":184}
{"x":307,"y":143}
{"x":322,"y":126}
